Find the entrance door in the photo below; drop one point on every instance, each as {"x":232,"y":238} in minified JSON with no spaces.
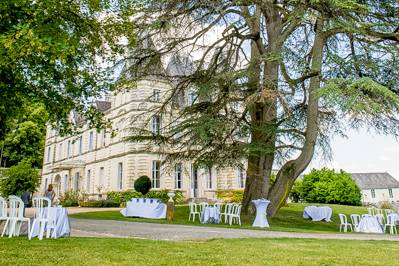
{"x":194,"y":181}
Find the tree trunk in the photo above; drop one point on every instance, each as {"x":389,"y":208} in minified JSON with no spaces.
{"x":292,"y":169}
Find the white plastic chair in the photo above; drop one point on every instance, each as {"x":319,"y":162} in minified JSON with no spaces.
{"x":379,"y":211}
{"x":226,"y":212}
{"x":202,"y":206}
{"x":388,"y":211}
{"x":235,"y":215}
{"x":344,"y":223}
{"x":16,"y":217}
{"x":193,"y":211}
{"x":3,"y":210}
{"x":380,"y":218}
{"x":355,"y":218}
{"x":371,"y":211}
{"x":41,"y":218}
{"x":391,"y":224}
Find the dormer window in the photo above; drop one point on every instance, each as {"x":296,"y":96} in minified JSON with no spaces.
{"x":156,"y":95}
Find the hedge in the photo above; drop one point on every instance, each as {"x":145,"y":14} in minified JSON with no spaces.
{"x":230,"y":195}
{"x":123,"y":196}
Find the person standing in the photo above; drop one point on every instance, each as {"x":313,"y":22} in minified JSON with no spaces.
{"x":50,"y":194}
{"x":25,"y":197}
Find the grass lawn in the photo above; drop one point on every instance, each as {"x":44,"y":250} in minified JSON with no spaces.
{"x":109,"y":251}
{"x":288,"y":219}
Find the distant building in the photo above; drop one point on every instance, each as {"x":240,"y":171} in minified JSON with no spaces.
{"x":377,"y":187}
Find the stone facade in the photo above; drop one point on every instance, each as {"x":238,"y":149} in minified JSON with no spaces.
{"x":98,"y":162}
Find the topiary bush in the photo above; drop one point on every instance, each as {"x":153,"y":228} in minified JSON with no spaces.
{"x":142,"y":184}
{"x":328,"y":186}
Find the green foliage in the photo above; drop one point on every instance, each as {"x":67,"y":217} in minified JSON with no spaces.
{"x":72,"y":198}
{"x":99,"y":203}
{"x":56,"y":51}
{"x":230,"y":196}
{"x":18,"y":179}
{"x":142,"y":184}
{"x":295,"y":194}
{"x":328,"y":186}
{"x":123,"y":196}
{"x":24,"y":136}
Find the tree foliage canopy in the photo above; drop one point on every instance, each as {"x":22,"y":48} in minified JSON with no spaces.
{"x":18,"y":179}
{"x":53,"y":52}
{"x":328,"y":186}
{"x":273,"y":80}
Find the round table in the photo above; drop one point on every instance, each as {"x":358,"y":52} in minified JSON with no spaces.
{"x":369,"y":224}
{"x":210,"y":215}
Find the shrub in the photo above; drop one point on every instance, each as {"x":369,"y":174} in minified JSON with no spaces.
{"x":386,"y":205}
{"x":328,"y":186}
{"x":230,"y":196}
{"x":98,"y":203}
{"x":72,"y":198}
{"x":142,"y":184}
{"x":18,"y":179}
{"x":123,"y":196}
{"x":295,"y":194}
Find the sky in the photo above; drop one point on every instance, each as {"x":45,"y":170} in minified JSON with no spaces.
{"x":361,"y":152}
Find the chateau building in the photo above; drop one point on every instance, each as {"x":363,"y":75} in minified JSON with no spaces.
{"x":98,"y":162}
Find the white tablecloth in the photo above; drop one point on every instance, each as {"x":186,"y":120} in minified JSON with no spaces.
{"x":62,"y":220}
{"x":210,"y":215}
{"x":260,"y":219}
{"x":317,"y":213}
{"x":369,"y":224}
{"x":145,"y":208}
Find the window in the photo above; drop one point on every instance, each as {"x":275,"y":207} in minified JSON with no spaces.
{"x":101,"y":176}
{"x":373,"y":193}
{"x":88,"y":181}
{"x":390,"y":193}
{"x":80,"y":145}
{"x":209,"y":177}
{"x":76,"y":185}
{"x":156,"y":124}
{"x":91,"y":136}
{"x":156,"y":174}
{"x":156,"y":95}
{"x":240,"y":177}
{"x":60,"y":151}
{"x":120,"y":173}
{"x":48,"y":154}
{"x":65,"y":182}
{"x":69,"y":149}
{"x":192,"y":96}
{"x":178,"y":176}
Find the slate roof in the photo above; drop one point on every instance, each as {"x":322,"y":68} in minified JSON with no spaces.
{"x":180,"y":66}
{"x":375,"y":180}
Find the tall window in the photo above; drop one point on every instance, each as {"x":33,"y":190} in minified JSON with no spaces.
{"x":60,"y":151}
{"x":76,"y":185}
{"x":91,"y":137}
{"x":178,"y":176}
{"x":209,"y":177}
{"x":120,"y":173}
{"x":373,"y":193}
{"x":156,"y":174}
{"x":156,"y":124}
{"x":88,"y":181}
{"x":240,"y":177}
{"x":192,"y":96}
{"x":48,"y":154}
{"x":101,"y":176}
{"x":45,"y":183}
{"x":80,"y":145}
{"x":156,"y":95}
{"x":69,"y":149}
{"x":390,"y":193}
{"x":65,"y":182}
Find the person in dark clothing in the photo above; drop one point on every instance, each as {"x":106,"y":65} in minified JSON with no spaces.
{"x":26,"y":196}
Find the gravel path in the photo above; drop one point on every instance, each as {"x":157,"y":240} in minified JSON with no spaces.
{"x":121,"y":229}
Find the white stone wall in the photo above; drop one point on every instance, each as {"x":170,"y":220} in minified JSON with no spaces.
{"x":380,"y":195}
{"x":109,"y":152}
